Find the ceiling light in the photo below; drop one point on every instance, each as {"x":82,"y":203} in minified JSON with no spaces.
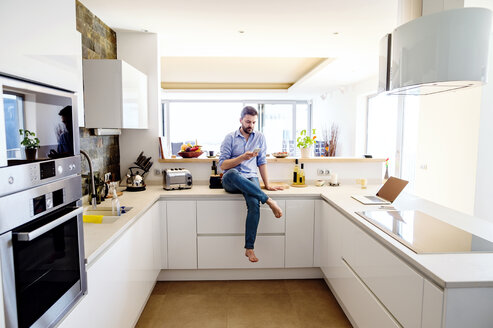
{"x":336,"y":33}
{"x":241,"y":31}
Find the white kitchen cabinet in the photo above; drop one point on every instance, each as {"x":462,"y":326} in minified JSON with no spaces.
{"x":364,"y":310}
{"x":393,"y":282}
{"x":432,"y":305}
{"x":227,"y":252}
{"x":43,"y":44}
{"x":115,"y":95}
{"x":156,"y":214}
{"x":120,"y":281}
{"x":182,"y":234}
{"x":299,"y":233}
{"x":221,"y":235}
{"x":217,"y":216}
{"x":164,"y":235}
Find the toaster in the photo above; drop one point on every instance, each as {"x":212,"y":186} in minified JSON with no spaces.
{"x":177,"y":178}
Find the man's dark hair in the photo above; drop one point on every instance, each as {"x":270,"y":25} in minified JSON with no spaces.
{"x":248,"y":110}
{"x":66,"y":111}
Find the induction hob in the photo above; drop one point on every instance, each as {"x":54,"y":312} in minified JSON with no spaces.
{"x":425,"y":234}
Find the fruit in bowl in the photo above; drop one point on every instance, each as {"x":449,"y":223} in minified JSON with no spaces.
{"x":189,"y":151}
{"x":281,"y":154}
{"x":190,"y":154}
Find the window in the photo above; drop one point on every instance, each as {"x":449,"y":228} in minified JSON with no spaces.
{"x":392,"y":131}
{"x":208,"y":122}
{"x":14,"y":120}
{"x":382,"y":127}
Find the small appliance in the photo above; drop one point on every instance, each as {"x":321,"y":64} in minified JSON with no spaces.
{"x":177,"y":178}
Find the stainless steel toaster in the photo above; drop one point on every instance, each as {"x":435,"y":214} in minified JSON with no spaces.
{"x":177,"y":178}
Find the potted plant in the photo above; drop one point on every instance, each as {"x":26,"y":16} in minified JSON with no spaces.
{"x":304,"y":142}
{"x":30,"y":143}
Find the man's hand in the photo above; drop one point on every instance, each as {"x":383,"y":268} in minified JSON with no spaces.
{"x":248,"y":155}
{"x":274,"y":188}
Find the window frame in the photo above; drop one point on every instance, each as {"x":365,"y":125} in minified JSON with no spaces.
{"x":20,"y":100}
{"x":165,"y":110}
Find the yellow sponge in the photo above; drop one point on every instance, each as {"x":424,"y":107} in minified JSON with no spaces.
{"x":92,"y":218}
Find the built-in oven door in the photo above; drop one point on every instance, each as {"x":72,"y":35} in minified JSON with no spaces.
{"x":48,"y":268}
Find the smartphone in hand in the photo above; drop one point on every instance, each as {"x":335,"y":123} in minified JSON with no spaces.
{"x":256,"y":150}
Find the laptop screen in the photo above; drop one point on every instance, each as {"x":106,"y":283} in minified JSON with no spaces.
{"x":392,"y":188}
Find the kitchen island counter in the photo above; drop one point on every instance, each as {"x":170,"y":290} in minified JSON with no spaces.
{"x":445,"y":270}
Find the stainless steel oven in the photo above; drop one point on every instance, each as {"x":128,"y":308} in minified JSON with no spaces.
{"x":42,"y":265}
{"x":42,"y":253}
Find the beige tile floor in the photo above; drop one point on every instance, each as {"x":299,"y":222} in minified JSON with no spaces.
{"x":238,"y":304}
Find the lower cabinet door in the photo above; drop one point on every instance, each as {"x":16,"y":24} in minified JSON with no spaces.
{"x":182,"y":235}
{"x":398,"y":286}
{"x":227,"y":252}
{"x":358,"y":301}
{"x":299,"y":233}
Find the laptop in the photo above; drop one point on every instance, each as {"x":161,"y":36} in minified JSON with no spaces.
{"x":386,"y":195}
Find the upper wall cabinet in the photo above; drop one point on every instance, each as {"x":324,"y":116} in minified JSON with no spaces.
{"x":40,"y":43}
{"x":115,"y":95}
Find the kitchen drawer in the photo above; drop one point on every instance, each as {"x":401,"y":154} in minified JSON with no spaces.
{"x":227,"y":252}
{"x":360,"y":304}
{"x":222,"y":217}
{"x":394,"y":283}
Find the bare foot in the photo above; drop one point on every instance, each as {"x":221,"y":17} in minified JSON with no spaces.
{"x":274,"y":207}
{"x":251,"y":255}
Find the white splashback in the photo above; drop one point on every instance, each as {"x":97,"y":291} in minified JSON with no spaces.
{"x":347,"y":172}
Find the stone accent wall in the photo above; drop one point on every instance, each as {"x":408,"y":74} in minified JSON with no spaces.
{"x":98,"y":42}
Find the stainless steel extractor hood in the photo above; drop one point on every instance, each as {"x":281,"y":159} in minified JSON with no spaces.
{"x":438,"y":52}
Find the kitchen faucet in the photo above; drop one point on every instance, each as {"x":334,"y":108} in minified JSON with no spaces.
{"x":91,"y":173}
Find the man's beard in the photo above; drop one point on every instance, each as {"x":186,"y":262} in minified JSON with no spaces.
{"x":246,"y":129}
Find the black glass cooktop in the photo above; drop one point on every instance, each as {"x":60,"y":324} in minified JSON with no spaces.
{"x":423,"y":233}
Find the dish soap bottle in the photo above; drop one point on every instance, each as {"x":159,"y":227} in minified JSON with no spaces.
{"x":296,"y":173}
{"x":115,"y":204}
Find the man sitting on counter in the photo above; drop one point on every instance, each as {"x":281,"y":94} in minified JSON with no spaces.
{"x":242,"y":151}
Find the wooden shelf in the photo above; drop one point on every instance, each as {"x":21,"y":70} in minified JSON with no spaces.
{"x":279,"y":160}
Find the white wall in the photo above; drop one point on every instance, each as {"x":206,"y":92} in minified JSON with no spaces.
{"x":141,"y":50}
{"x":346,"y":106}
{"x":484,"y":173}
{"x":448,"y":132}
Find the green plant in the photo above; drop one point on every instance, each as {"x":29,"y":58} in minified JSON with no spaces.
{"x":30,"y":141}
{"x":304,"y":140}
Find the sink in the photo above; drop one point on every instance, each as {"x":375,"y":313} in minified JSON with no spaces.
{"x":102,"y":214}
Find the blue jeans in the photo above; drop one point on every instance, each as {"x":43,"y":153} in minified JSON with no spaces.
{"x":234,"y":182}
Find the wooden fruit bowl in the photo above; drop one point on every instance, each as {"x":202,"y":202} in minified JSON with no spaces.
{"x":280,"y":155}
{"x":190,"y":154}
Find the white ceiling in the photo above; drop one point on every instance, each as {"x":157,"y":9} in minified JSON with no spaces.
{"x":272,"y":28}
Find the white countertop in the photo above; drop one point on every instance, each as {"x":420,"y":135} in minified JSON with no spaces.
{"x":446,"y":270}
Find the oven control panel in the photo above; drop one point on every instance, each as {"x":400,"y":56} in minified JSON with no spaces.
{"x":25,"y":176}
{"x":46,"y":202}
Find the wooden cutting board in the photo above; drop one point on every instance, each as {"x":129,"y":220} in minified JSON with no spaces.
{"x":277,"y":184}
{"x":118,"y":194}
